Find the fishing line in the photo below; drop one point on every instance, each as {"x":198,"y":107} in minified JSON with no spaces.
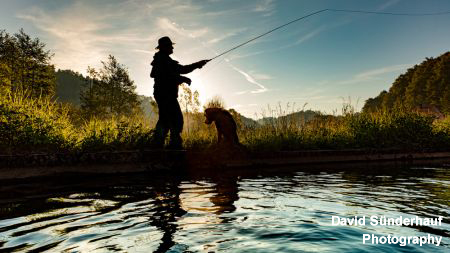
{"x":331,"y":10}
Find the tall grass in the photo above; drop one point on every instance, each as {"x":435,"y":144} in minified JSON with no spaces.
{"x":395,"y":129}
{"x":28,"y":124}
{"x":41,"y":125}
{"x":118,"y":133}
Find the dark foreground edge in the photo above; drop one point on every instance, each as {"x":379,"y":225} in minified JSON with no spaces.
{"x":36,"y":165}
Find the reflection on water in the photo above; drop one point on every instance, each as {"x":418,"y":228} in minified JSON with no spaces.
{"x":230,"y":211}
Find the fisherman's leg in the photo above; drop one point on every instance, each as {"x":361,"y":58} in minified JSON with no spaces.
{"x":163,"y":124}
{"x":176,"y":127}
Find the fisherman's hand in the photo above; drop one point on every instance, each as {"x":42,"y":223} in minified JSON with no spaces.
{"x":201,"y":63}
{"x":187,"y":80}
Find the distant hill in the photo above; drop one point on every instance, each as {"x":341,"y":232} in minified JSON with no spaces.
{"x":68,"y":86}
{"x":241,"y":119}
{"x":424,"y":85}
{"x":149,"y":106}
{"x":301,"y":116}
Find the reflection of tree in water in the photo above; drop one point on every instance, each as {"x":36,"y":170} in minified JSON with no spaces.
{"x":403,"y":182}
{"x":424,"y":182}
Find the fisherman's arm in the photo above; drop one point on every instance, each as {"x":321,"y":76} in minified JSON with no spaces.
{"x":185,"y":69}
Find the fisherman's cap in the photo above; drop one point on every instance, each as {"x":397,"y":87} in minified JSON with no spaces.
{"x":164,"y":42}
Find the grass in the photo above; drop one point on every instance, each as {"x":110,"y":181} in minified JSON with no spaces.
{"x":28,"y":124}
{"x":398,"y":129}
{"x":42,"y":125}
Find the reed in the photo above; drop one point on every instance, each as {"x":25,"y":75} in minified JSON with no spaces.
{"x":30,"y":124}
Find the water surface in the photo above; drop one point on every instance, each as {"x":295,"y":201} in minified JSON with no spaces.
{"x":231,"y":211}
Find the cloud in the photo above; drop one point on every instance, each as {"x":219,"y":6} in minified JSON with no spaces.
{"x":373,"y":74}
{"x":167,"y":25}
{"x":388,"y":4}
{"x":376,"y":72}
{"x":305,"y":37}
{"x":310,"y":93}
{"x":299,"y":41}
{"x":226,"y":35}
{"x":313,"y":98}
{"x":238,"y":106}
{"x":80,"y":36}
{"x":310,"y":35}
{"x":170,"y":7}
{"x":265,"y":6}
{"x":260,"y":76}
{"x":149,"y":52}
{"x":250,"y":79}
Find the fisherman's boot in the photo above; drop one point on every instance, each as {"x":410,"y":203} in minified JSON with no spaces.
{"x":158,"y":138}
{"x":176,"y":143}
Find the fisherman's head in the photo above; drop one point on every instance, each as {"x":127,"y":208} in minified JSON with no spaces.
{"x":165,"y":45}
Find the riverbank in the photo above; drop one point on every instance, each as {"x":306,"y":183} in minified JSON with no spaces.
{"x":44,"y":126}
{"x":36,"y":165}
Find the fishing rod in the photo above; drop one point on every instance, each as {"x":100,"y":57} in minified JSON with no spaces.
{"x":331,"y":10}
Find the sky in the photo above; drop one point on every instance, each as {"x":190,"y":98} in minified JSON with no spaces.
{"x":318,"y":63}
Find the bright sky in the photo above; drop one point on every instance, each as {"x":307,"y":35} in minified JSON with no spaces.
{"x":321,"y":61}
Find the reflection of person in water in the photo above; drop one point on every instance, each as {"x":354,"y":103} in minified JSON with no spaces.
{"x":168,"y":75}
{"x":167,"y":209}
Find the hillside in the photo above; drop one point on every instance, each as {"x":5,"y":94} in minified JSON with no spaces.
{"x":301,"y":116}
{"x":424,"y":85}
{"x":149,"y":106}
{"x":68,"y":86}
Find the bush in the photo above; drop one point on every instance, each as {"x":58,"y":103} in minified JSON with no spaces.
{"x":28,"y":123}
{"x":120,"y":133}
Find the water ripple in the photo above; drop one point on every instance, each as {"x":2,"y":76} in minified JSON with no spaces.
{"x":258,"y":212}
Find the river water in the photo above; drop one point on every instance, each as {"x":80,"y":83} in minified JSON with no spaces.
{"x":287,"y":210}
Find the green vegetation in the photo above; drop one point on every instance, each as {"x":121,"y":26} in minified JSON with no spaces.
{"x":30,"y":124}
{"x":109,"y":92}
{"x":40,"y":125}
{"x":25,"y":65}
{"x":397,"y":129}
{"x":424,"y":85}
{"x":37,"y":117}
{"x":69,"y":85}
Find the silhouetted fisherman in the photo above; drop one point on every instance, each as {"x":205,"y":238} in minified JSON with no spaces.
{"x":167,"y":74}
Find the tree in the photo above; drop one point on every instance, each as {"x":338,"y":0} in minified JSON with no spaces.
{"x":27,"y":63}
{"x":190,"y":103}
{"x":109,"y":92}
{"x":5,"y":82}
{"x":189,"y":100}
{"x":426,"y":84}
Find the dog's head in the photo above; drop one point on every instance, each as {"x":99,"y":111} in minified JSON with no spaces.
{"x":211,"y":114}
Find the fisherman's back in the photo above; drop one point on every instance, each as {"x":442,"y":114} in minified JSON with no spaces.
{"x":165,"y":74}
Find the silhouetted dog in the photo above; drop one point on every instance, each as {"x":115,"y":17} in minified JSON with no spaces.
{"x":225,"y":125}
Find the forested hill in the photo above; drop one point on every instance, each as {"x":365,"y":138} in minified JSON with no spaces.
{"x":426,"y":84}
{"x":69,"y":85}
{"x":299,"y":116}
